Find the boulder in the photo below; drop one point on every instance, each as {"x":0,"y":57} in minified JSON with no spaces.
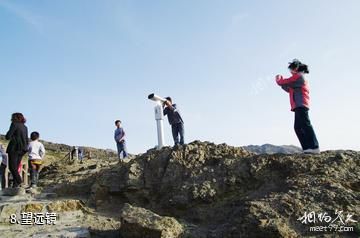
{"x":141,"y":223}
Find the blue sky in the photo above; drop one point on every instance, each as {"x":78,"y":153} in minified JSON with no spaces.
{"x":73,"y":67}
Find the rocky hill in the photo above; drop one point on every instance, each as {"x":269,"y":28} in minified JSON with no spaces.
{"x":202,"y":190}
{"x":273,"y":149}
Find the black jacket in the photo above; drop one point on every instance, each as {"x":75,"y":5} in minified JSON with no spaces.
{"x":173,"y":115}
{"x":18,"y":136}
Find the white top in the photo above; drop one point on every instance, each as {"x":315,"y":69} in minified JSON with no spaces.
{"x":36,"y":150}
{"x":3,"y":156}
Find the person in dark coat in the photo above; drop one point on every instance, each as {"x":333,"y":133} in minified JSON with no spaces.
{"x":175,"y":120}
{"x":18,"y":145}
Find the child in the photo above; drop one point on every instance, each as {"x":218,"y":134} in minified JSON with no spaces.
{"x":36,"y":155}
{"x":298,"y":90}
{"x":3,"y":165}
{"x":119,"y":136}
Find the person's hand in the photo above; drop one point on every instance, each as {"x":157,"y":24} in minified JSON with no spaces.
{"x":167,"y":103}
{"x":278,"y":78}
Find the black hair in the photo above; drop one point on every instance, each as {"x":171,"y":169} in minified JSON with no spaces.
{"x":34,"y":135}
{"x":300,"y":67}
{"x":117,"y":121}
{"x":169,"y":99}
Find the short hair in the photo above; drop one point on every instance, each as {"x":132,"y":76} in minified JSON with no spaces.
{"x":169,"y":99}
{"x":117,"y":121}
{"x":34,"y":135}
{"x":18,"y":117}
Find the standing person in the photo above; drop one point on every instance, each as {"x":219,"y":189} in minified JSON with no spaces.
{"x":175,"y":120}
{"x":36,"y":156}
{"x":298,"y":89}
{"x":17,"y":148}
{"x":81,"y":154}
{"x":3,"y":165}
{"x":119,"y":137}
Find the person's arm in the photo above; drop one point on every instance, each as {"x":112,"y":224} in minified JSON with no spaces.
{"x":169,"y":105}
{"x":115,"y":135}
{"x":293,"y":81}
{"x":286,"y":88}
{"x":165,"y":111}
{"x":11,"y":131}
{"x":42,"y":151}
{"x":123,"y":136}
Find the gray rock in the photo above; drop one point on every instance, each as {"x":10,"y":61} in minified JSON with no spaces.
{"x":14,"y":192}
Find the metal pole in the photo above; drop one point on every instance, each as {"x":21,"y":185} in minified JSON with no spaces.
{"x":159,"y":117}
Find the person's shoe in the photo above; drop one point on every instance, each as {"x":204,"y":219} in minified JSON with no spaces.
{"x":312,"y":151}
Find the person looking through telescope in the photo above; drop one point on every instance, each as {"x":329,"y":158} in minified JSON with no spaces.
{"x":175,"y":120}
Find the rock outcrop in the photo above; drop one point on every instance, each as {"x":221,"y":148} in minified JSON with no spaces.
{"x":223,"y":191}
{"x":200,"y":190}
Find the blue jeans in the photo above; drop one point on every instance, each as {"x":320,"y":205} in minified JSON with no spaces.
{"x":178,"y":130}
{"x":121,"y":148}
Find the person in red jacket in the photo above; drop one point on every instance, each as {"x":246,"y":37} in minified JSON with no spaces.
{"x":298,"y":90}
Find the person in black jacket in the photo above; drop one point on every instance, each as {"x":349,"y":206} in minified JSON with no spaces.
{"x":18,"y":145}
{"x":175,"y":120}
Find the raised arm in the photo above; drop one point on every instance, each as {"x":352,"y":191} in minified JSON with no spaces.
{"x":294,"y":81}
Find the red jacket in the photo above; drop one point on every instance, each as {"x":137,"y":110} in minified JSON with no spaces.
{"x":298,"y":90}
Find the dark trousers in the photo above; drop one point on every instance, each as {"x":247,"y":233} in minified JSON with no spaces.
{"x":304,"y":129}
{"x":14,"y":162}
{"x":2,"y":175}
{"x":178,"y":131}
{"x":121,"y":148}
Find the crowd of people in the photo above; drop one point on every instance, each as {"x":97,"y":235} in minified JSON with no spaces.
{"x":296,"y":86}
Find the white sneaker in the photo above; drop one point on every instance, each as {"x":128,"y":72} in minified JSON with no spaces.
{"x":312,"y":151}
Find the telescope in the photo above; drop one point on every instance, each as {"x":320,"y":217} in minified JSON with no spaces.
{"x":159,"y":117}
{"x":156,"y":98}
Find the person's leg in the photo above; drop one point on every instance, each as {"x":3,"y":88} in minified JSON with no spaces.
{"x":37,"y":171}
{"x":14,"y":159}
{"x":2,"y":175}
{"x":175,"y":133}
{"x":33,"y":174}
{"x":81,"y":158}
{"x":124,"y":149}
{"x":182,"y":133}
{"x":309,"y":132}
{"x":119,"y":149}
{"x":298,"y":126}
